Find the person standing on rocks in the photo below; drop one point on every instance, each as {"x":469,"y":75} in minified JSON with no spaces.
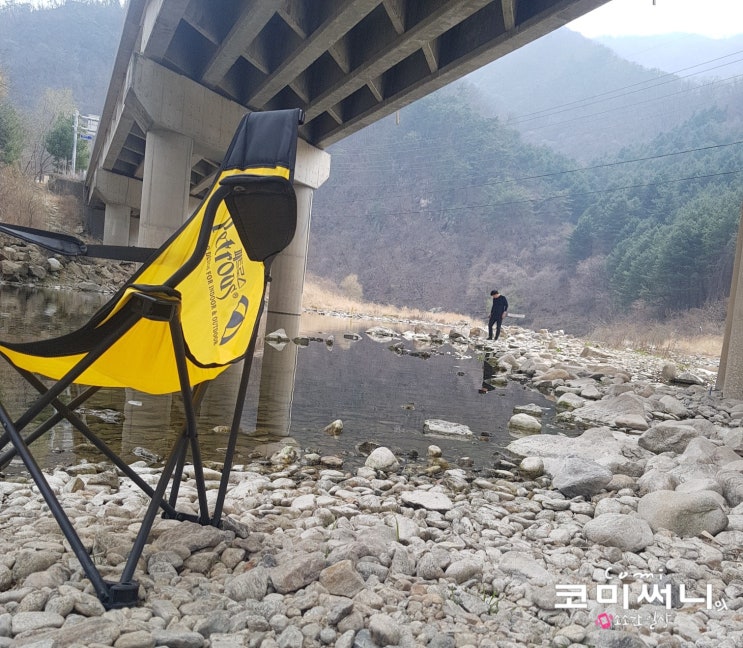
{"x":498,"y":311}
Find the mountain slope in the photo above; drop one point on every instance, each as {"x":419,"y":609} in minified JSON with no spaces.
{"x":581,"y":98}
{"x":68,"y":46}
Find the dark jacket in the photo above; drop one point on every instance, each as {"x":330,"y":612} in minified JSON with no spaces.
{"x":500,"y":306}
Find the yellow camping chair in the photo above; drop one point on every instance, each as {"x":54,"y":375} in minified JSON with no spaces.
{"x":190,"y":312}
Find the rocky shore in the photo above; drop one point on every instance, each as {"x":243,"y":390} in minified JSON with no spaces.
{"x":29,"y":265}
{"x":626,"y":532}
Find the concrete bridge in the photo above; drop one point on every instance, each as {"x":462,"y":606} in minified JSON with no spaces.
{"x":187,"y":70}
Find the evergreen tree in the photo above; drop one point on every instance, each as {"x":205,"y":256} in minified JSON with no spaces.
{"x":11,"y":135}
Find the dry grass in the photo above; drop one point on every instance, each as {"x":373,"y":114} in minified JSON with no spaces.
{"x":22,"y":201}
{"x":699,"y":332}
{"x":321,"y":294}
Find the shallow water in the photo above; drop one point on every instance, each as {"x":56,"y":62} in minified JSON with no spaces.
{"x":381,"y":396}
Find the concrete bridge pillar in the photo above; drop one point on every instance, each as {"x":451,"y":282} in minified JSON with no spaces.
{"x":285,"y":298}
{"x":116,"y":224}
{"x":165,"y":186}
{"x":730,"y":372}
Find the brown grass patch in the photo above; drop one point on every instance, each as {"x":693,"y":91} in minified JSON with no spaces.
{"x":322,"y":294}
{"x":696,"y":332}
{"x":22,"y":201}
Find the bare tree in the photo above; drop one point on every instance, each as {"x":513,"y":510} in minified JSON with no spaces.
{"x":53,"y":103}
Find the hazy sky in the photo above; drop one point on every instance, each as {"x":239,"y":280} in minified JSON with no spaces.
{"x":713,"y":18}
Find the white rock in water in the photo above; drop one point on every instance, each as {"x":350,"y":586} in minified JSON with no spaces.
{"x":380,"y":331}
{"x":525,"y":424}
{"x":446,"y":428}
{"x":382,"y":459}
{"x":279,"y":335}
{"x":334,"y":428}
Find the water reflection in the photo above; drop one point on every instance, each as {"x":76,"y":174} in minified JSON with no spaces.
{"x":383,"y":391}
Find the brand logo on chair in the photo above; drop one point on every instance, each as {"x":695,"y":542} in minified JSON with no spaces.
{"x":236,"y":320}
{"x":228,"y":258}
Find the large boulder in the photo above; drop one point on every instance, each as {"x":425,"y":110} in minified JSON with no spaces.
{"x":628,"y":532}
{"x":667,"y":436}
{"x":610,"y":448}
{"x":576,"y":477}
{"x":625,"y":410}
{"x":731,"y":483}
{"x":685,"y":514}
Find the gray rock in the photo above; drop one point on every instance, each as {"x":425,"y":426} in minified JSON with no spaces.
{"x":734,"y":439}
{"x":656,"y":480}
{"x":577,"y":477}
{"x":731,"y":484}
{"x":607,"y":410}
{"x":252,"y":585}
{"x":28,"y":562}
{"x":216,"y":622}
{"x":601,"y":445}
{"x":532,"y":466}
{"x":463,"y":570}
{"x":673,"y":406}
{"x":669,"y":371}
{"x":28,"y":621}
{"x":570,"y":401}
{"x":136,"y":639}
{"x":295,"y":573}
{"x":685,"y":514}
{"x":688,"y":378}
{"x":98,"y":630}
{"x":341,"y":579}
{"x":522,"y":565}
{"x":402,"y":562}
{"x":430,"y":500}
{"x":667,"y":436}
{"x":429,"y":567}
{"x":384,"y":630}
{"x":627,"y":532}
{"x":178,"y":638}
{"x":615,"y":639}
{"x":700,"y":484}
{"x":191,"y":535}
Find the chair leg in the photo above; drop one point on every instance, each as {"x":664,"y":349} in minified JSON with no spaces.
{"x":234,"y":428}
{"x":189,"y":408}
{"x":122,"y":594}
{"x":149,"y":518}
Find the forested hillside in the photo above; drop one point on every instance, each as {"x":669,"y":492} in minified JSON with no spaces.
{"x":585,"y":187}
{"x":442,"y":204}
{"x":72,"y":45}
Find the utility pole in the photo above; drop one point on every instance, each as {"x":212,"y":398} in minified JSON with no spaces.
{"x":74,"y":140}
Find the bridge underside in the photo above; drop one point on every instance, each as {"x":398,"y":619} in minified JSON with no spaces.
{"x":193,"y":67}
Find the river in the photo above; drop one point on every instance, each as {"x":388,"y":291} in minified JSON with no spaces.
{"x":383,"y":391}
